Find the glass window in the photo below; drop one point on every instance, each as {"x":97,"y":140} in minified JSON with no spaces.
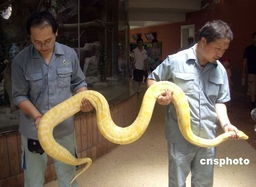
{"x":97,"y":30}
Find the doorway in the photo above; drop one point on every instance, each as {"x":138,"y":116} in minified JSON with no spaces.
{"x":187,"y":33}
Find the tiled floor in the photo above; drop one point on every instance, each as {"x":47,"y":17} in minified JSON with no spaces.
{"x":144,"y":163}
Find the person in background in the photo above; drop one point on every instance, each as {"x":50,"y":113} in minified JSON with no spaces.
{"x":203,"y":79}
{"x":249,"y":69}
{"x":154,"y":55}
{"x":44,"y":74}
{"x":140,"y":71}
{"x":191,"y":41}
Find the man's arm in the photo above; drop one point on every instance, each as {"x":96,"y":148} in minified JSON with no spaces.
{"x":81,"y":89}
{"x":221,"y":111}
{"x":222,"y":115}
{"x":150,"y":82}
{"x":20,"y":89}
{"x":86,"y":106}
{"x":244,"y":68}
{"x":244,"y":71}
{"x":28,"y":108}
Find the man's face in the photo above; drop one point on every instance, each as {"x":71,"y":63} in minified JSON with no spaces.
{"x":43,"y":39}
{"x":214,"y":50}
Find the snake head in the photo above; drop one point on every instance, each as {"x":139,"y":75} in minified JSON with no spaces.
{"x":241,"y":135}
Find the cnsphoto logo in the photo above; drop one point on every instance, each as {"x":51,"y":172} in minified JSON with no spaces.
{"x":225,"y":161}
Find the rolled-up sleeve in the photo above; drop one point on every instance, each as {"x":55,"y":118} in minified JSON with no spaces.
{"x":224,"y":93}
{"x":163,"y":71}
{"x":19,"y":84}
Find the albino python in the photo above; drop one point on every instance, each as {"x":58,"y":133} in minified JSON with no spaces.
{"x":114,"y":133}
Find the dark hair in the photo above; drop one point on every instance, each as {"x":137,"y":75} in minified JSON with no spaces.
{"x":215,"y":30}
{"x":38,"y":18}
{"x":139,"y":40}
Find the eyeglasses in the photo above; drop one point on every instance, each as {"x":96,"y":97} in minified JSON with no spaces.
{"x":46,"y":43}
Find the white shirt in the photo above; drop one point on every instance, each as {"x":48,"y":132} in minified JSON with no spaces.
{"x":140,"y":56}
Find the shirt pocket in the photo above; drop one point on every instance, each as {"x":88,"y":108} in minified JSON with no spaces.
{"x":64,"y":77}
{"x":35,"y":82}
{"x":186,"y":81}
{"x":213,"y":88}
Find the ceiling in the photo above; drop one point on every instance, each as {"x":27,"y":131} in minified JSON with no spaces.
{"x":142,"y":13}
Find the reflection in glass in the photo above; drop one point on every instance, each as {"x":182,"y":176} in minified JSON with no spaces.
{"x":6,"y":14}
{"x":97,"y":30}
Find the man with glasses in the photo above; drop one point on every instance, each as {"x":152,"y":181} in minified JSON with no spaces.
{"x":43,"y":75}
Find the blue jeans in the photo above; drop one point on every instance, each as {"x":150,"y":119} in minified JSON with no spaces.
{"x":34,"y":164}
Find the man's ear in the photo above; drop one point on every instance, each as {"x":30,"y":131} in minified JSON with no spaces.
{"x":56,"y":34}
{"x":203,"y":41}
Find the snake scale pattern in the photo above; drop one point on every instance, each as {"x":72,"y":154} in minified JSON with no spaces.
{"x":114,"y":133}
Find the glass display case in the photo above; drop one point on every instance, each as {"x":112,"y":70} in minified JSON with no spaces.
{"x":96,"y":29}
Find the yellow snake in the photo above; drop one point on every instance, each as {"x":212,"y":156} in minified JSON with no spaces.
{"x":114,"y":133}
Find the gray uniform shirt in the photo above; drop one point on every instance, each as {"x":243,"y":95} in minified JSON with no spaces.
{"x":204,"y":87}
{"x":45,"y":85}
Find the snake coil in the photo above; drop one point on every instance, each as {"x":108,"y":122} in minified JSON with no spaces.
{"x":114,"y":133}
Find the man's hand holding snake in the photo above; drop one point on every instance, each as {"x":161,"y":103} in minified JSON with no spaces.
{"x":86,"y":106}
{"x":230,"y":127}
{"x":165,"y":98}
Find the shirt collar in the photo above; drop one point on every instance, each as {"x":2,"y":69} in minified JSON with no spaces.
{"x":192,"y":52}
{"x":192,"y":56}
{"x":58,"y":49}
